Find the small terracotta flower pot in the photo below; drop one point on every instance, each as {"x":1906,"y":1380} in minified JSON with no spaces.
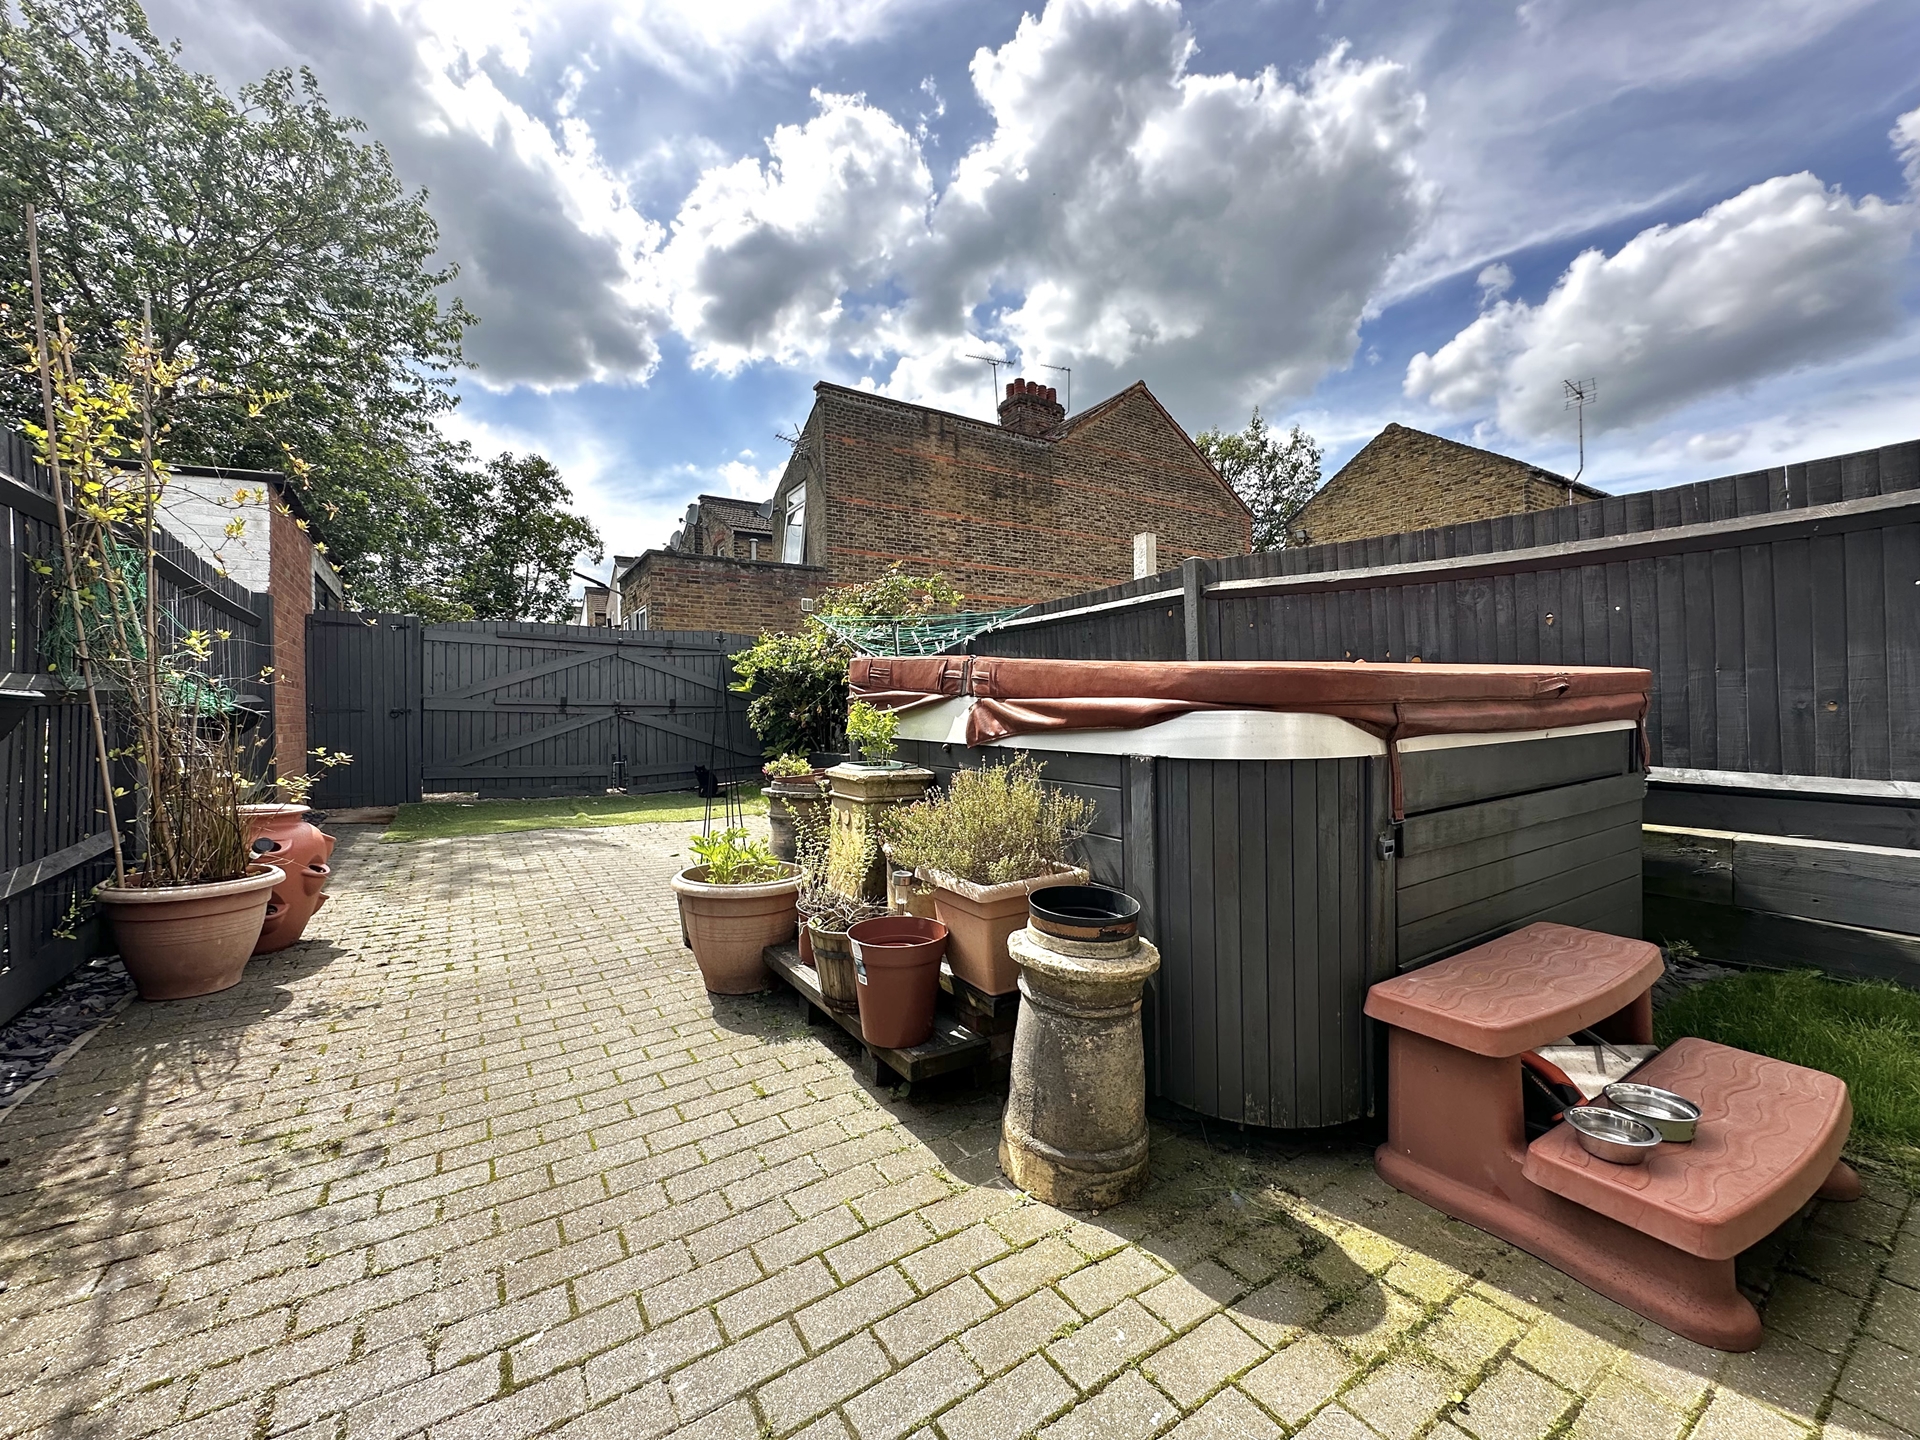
{"x":178,"y":941}
{"x":806,"y":941}
{"x":981,"y":918}
{"x":727,"y":926}
{"x":897,"y":967}
{"x":833,"y":963}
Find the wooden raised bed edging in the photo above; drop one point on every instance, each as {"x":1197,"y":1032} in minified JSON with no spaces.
{"x":1783,"y":902}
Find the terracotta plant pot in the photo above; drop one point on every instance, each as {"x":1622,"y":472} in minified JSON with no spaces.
{"x":178,"y":941}
{"x":897,"y":967}
{"x":727,"y":926}
{"x":806,"y":941}
{"x":301,"y":849}
{"x":833,"y":963}
{"x":981,"y":918}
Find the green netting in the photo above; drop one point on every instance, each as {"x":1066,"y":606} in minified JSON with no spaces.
{"x":914,"y":634}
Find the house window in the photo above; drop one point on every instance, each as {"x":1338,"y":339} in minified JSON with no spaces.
{"x":793,"y":547}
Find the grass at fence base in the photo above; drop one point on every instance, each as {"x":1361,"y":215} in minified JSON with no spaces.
{"x":1867,"y":1034}
{"x":443,"y":818}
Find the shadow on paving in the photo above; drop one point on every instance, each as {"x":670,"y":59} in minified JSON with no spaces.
{"x":348,"y":1191}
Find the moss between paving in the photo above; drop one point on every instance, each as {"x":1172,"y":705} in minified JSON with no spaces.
{"x":440,"y":819}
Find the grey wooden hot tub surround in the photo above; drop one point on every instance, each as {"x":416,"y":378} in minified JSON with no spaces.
{"x":1278,"y":891}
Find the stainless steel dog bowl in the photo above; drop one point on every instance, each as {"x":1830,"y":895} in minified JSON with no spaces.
{"x":1613,"y":1134}
{"x":1674,"y":1116}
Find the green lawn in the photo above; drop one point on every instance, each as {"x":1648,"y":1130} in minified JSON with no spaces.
{"x":1867,"y":1034}
{"x":505,"y":817}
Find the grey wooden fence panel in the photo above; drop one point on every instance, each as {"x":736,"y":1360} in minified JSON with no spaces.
{"x":1792,"y":654}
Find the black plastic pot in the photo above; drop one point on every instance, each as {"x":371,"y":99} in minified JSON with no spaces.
{"x":1088,"y":914}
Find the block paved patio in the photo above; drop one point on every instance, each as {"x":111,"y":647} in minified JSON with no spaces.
{"x":482,"y":1159}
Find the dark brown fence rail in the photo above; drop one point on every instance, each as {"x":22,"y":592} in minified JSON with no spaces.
{"x":56,"y":836}
{"x":1779,"y":611}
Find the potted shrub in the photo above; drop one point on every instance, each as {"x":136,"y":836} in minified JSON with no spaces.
{"x":866,"y":789}
{"x":187,"y":911}
{"x":870,"y":733}
{"x":737,"y":901}
{"x":826,"y":913}
{"x":996,"y":834}
{"x":793,"y":785}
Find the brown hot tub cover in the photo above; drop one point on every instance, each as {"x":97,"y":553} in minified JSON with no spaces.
{"x":1392,"y":701}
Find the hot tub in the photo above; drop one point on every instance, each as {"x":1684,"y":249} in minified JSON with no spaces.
{"x":1296,"y":832}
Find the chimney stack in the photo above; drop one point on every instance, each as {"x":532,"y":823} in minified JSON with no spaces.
{"x":1030,"y":409}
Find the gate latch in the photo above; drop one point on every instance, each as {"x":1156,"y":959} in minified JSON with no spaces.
{"x":1387,"y":845}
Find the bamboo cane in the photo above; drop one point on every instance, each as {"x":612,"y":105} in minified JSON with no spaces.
{"x":66,"y":548}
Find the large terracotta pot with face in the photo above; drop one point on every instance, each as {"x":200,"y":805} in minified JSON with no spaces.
{"x":282,"y":835}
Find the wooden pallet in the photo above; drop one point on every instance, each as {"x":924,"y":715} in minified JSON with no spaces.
{"x":993,"y":1016}
{"x":951,"y":1047}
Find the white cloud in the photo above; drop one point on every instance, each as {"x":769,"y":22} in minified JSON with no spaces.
{"x":743,"y":479}
{"x":1124,"y":212}
{"x":699,"y":39}
{"x":1229,"y":230}
{"x":553,"y":257}
{"x":766,"y":261}
{"x":1494,"y":281}
{"x":1788,"y":273}
{"x":1906,"y":144}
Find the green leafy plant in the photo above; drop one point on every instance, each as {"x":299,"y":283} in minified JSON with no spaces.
{"x":787,"y":767}
{"x":1275,"y":476}
{"x":992,"y":826}
{"x":798,"y":683}
{"x":734,"y":857}
{"x":871,"y":731}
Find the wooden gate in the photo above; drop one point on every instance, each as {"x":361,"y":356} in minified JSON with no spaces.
{"x":363,"y":699}
{"x":524,"y":710}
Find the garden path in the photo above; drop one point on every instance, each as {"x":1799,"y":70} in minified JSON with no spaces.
{"x":482,"y":1158}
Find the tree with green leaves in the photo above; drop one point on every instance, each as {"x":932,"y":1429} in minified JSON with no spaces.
{"x":798,"y":683}
{"x":1274,"y":475}
{"x":521,"y":542}
{"x":273,"y":243}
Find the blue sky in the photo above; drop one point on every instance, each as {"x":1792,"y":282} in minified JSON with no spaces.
{"x":673,"y":218}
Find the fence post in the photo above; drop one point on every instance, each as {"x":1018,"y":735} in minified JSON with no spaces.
{"x":1194,"y":574}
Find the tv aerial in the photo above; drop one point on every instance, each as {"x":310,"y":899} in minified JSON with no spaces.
{"x":993,"y":395}
{"x":1580,"y":394}
{"x":1066,"y":370}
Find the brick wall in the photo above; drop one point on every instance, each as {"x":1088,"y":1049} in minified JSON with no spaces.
{"x":1406,"y":479}
{"x":1009,"y":518}
{"x":290,"y":584}
{"x":713,"y":592}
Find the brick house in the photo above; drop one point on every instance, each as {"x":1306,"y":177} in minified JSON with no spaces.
{"x":273,"y":554}
{"x":724,"y":525}
{"x":1037,"y":506}
{"x":1406,"y":479}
